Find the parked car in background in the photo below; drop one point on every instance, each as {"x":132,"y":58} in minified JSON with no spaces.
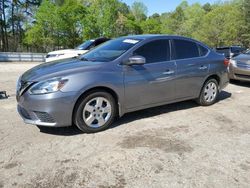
{"x":70,"y":53}
{"x":230,"y":51}
{"x":123,"y":75}
{"x":239,"y":68}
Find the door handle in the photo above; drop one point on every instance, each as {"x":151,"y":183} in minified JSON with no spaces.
{"x":203,"y":67}
{"x":168,"y":72}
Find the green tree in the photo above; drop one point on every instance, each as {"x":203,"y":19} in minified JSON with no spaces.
{"x":65,"y":23}
{"x":207,"y":7}
{"x":106,"y":18}
{"x":221,"y":26}
{"x":171,"y":22}
{"x":152,"y":25}
{"x":70,"y":24}
{"x":192,"y":20}
{"x":245,"y":7}
{"x":139,"y":10}
{"x":56,"y":25}
{"x":126,"y":25}
{"x":42,"y":33}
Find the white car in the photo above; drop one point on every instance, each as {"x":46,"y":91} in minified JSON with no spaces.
{"x":71,"y":53}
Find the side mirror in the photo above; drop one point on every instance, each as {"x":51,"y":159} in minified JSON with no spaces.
{"x":136,"y":60}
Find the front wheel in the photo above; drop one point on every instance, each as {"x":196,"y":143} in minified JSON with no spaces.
{"x":209,"y":93}
{"x":95,"y":112}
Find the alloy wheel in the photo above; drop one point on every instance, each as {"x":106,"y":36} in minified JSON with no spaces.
{"x":97,"y":112}
{"x":210,"y":92}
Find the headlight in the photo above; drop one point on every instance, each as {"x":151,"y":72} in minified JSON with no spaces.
{"x":48,"y":86}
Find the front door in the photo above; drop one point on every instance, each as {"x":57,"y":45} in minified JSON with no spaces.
{"x":152,"y":83}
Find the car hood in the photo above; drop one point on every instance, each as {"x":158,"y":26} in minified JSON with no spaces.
{"x":68,"y":51}
{"x":244,"y":58}
{"x":57,"y":69}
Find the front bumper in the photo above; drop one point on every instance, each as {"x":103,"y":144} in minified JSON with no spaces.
{"x":52,"y":110}
{"x":239,"y":72}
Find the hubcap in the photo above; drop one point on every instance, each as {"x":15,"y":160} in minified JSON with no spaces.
{"x":97,"y":112}
{"x":210,"y":92}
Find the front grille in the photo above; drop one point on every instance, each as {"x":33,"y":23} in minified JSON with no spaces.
{"x":242,"y":76}
{"x":23,"y":113}
{"x":44,"y":117}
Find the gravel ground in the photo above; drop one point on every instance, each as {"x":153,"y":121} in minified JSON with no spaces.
{"x":177,"y":145}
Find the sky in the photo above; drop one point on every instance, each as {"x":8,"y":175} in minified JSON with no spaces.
{"x":160,"y":6}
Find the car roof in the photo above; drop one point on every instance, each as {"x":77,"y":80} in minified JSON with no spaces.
{"x":155,"y":36}
{"x":149,"y":36}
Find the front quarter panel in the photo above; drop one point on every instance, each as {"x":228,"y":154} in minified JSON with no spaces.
{"x":105,"y":76}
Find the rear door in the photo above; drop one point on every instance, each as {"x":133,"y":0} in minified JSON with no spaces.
{"x":192,"y":67}
{"x":153,"y":82}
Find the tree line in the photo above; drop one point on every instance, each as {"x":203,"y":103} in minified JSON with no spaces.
{"x":44,"y":25}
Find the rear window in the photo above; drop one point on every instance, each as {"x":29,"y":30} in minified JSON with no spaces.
{"x":203,"y":50}
{"x":185,"y":49}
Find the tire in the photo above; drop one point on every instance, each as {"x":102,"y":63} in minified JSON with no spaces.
{"x":91,"y":117}
{"x":209,"y":93}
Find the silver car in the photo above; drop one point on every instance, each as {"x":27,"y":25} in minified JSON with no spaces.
{"x":120,"y":76}
{"x":239,"y":68}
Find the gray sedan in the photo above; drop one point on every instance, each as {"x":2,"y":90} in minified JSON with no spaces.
{"x":120,"y":76}
{"x":239,"y":68}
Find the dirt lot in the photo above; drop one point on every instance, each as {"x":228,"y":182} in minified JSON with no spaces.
{"x":179,"y":145}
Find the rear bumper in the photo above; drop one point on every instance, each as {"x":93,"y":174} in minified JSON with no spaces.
{"x":224,"y":80}
{"x":239,"y":73}
{"x":51,"y":110}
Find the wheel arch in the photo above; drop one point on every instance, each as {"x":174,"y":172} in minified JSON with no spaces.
{"x":214,"y":76}
{"x":97,"y":88}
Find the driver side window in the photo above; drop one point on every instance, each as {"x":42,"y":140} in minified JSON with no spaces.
{"x":155,"y":51}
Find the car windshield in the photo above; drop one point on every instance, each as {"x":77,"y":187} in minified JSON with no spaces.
{"x":85,"y":45}
{"x":110,"y":50}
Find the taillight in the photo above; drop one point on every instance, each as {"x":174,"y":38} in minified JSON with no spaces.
{"x":226,"y":62}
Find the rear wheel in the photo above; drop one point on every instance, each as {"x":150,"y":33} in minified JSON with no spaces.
{"x":95,"y":112}
{"x":209,"y":93}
